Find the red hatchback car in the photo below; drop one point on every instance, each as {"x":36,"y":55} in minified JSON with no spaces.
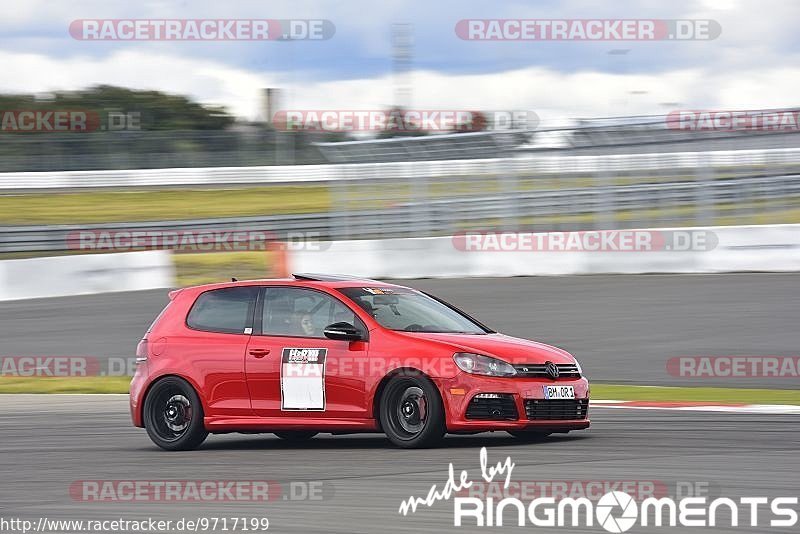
{"x":320,"y":353}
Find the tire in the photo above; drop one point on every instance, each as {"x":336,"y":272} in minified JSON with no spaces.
{"x":529,"y":435}
{"x":173,"y":415}
{"x":296,"y":435}
{"x":411,"y":412}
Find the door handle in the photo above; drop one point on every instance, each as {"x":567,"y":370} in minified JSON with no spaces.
{"x":259,"y":353}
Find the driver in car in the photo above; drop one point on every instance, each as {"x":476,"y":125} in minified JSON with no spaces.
{"x":303,"y":325}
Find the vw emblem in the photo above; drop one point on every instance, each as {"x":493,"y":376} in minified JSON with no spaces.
{"x":551,"y":369}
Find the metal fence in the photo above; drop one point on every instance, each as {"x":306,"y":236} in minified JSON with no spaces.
{"x":530,"y":190}
{"x":417,"y":208}
{"x":256,"y":144}
{"x":56,"y":152}
{"x":644,"y":167}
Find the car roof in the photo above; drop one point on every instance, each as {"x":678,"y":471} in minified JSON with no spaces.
{"x":299,"y":280}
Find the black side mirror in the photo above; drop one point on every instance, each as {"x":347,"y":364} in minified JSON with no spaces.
{"x":342,"y":331}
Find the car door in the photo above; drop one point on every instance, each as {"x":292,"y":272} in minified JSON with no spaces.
{"x":293,"y":369}
{"x":217,"y":333}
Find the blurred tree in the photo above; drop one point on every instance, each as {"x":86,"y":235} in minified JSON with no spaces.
{"x":398,"y":124}
{"x":157,"y":110}
{"x":478,"y":123}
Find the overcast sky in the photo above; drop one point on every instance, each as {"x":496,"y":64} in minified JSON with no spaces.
{"x":752,"y":64}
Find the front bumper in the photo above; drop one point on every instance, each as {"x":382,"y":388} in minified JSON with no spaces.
{"x":459,"y":391}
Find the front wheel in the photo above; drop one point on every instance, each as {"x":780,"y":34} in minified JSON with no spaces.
{"x":411,"y":412}
{"x":173,"y":415}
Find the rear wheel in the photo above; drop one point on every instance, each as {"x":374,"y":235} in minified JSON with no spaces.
{"x":173,"y":415}
{"x":296,"y":435}
{"x":411,"y":412}
{"x":529,"y":435}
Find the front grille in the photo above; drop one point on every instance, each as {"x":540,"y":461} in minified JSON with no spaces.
{"x":556,"y":409}
{"x":537,"y":370}
{"x":501,"y":408}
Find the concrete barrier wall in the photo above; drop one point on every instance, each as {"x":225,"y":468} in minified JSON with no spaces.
{"x":85,"y":274}
{"x":772,"y":248}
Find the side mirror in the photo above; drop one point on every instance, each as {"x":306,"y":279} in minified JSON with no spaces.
{"x":342,"y":331}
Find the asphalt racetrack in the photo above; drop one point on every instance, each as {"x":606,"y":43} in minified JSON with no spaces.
{"x":50,"y":442}
{"x":622,"y":328}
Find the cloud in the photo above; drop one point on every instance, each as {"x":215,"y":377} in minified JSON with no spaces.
{"x":551,"y":93}
{"x":754,"y":34}
{"x":205,"y":81}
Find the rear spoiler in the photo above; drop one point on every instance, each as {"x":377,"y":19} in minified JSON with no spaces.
{"x":174,"y":293}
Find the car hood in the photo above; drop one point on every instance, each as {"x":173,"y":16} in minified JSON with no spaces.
{"x":507,"y":348}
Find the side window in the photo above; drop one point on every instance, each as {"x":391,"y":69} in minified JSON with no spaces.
{"x":226,"y":310}
{"x":293,"y":311}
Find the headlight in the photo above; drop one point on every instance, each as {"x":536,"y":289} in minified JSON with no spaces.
{"x":477,"y":364}
{"x":578,"y":365}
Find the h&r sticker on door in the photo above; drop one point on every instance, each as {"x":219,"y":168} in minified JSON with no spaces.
{"x":303,"y":379}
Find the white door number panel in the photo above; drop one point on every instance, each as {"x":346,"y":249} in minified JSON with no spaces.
{"x":303,"y":379}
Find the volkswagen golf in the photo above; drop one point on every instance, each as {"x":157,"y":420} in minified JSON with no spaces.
{"x":336,"y":354}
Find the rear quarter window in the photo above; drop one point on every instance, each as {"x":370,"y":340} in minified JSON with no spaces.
{"x":228,"y":310}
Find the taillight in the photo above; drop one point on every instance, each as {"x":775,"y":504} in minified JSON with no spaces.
{"x":141,"y":351}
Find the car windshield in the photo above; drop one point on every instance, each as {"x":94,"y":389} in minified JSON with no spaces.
{"x":411,"y":311}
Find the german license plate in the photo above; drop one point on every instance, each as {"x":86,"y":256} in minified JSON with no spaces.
{"x":559,"y":392}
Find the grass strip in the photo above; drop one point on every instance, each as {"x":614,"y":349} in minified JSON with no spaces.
{"x":695,"y":394}
{"x":119,"y":384}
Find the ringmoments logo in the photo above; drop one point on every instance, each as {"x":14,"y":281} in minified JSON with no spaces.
{"x":606,"y":507}
{"x":615,"y":511}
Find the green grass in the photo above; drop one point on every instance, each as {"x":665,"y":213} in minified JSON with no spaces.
{"x":695,"y":394}
{"x":87,"y":384}
{"x":204,"y":268}
{"x":86,"y":207}
{"x":119,"y":384}
{"x":130,"y":206}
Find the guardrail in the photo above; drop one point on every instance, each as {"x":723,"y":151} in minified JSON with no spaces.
{"x":443,"y":216}
{"x":528,"y":165}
